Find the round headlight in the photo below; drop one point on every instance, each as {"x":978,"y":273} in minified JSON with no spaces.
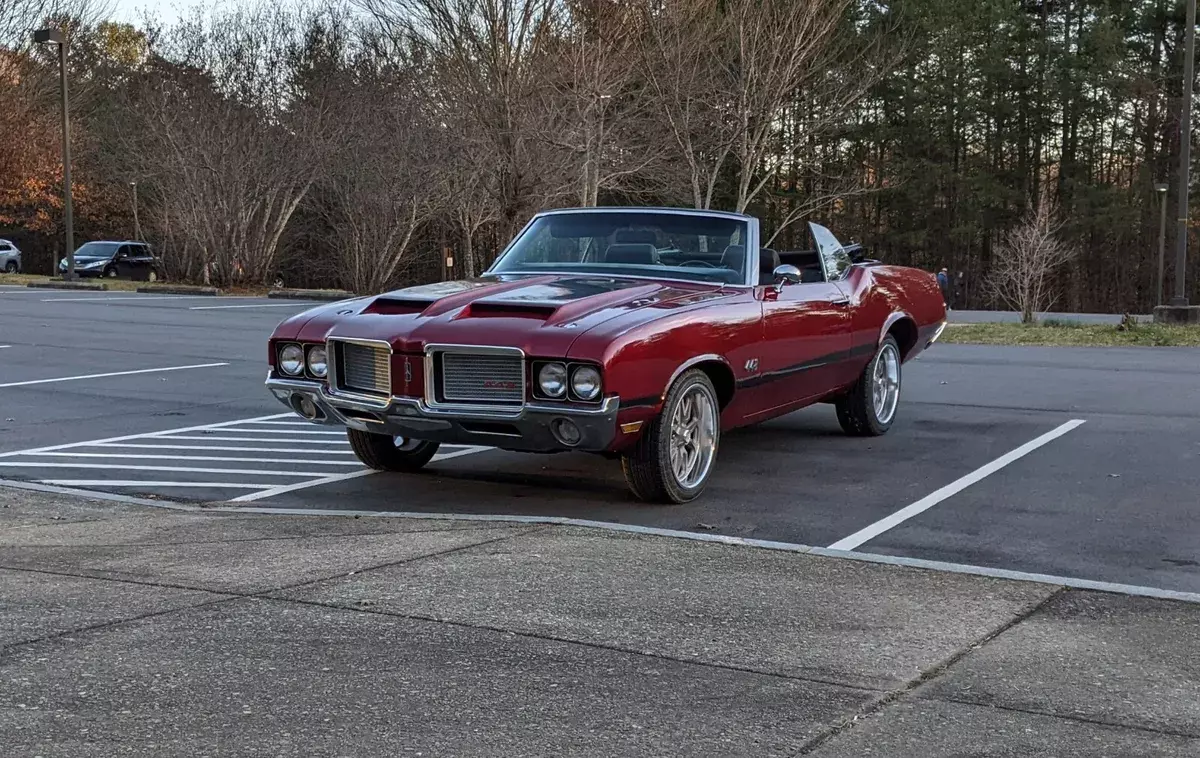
{"x":317,"y":365}
{"x":552,"y":379}
{"x":291,"y":360}
{"x":585,"y":383}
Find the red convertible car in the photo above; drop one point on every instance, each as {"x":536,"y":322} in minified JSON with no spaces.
{"x":640,"y":334}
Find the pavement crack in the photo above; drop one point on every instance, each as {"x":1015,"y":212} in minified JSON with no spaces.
{"x":8,"y":649}
{"x":581,"y":643}
{"x":1072,"y":717}
{"x":879,"y":704}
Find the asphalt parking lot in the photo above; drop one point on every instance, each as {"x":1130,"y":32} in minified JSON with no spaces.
{"x":161,"y":396}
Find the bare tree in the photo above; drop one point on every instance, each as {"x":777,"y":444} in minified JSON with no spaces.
{"x":384,"y":179}
{"x":595,"y":104}
{"x":231,"y":148}
{"x":1026,"y":259}
{"x":486,"y":60}
{"x":680,"y":63}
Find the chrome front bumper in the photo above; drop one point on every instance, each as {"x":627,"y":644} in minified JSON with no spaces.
{"x":526,"y":429}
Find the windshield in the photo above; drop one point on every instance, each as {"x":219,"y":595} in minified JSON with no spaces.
{"x":97,"y":250}
{"x":632,"y":243}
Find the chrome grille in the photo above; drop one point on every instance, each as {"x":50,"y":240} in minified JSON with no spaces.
{"x":364,"y":368}
{"x":488,"y":378}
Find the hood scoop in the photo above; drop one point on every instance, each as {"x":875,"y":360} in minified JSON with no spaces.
{"x":538,"y":311}
{"x":396,"y":306}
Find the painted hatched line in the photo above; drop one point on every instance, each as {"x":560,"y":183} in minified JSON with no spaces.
{"x":128,"y":453}
{"x":341,"y":441}
{"x":136,"y":467}
{"x":151,"y":457}
{"x":155,"y":484}
{"x":223,"y":448}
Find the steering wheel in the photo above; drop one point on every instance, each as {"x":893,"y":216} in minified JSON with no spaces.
{"x":705,"y":264}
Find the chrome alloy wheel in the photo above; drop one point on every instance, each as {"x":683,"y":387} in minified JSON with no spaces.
{"x":885,"y":385}
{"x":693,"y":436}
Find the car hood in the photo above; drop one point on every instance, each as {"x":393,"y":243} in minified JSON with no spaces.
{"x":542,"y":315}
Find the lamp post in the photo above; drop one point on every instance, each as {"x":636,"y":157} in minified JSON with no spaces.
{"x":1185,"y":156}
{"x":137,"y":228}
{"x":1161,"y":189}
{"x":55,"y":37}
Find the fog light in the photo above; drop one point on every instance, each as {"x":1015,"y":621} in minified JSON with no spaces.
{"x":304,"y":405}
{"x":566,"y":432}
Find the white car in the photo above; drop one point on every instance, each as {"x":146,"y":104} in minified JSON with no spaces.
{"x":10,"y":257}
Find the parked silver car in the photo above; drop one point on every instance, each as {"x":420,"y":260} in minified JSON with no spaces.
{"x":10,"y":257}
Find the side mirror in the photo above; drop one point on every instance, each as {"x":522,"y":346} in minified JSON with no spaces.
{"x":786,"y":274}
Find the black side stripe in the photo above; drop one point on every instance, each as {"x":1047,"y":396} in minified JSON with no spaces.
{"x":824,"y":360}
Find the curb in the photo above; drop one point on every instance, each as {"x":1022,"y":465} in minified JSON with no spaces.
{"x":61,"y":285}
{"x":179,"y":289}
{"x":325,"y":295}
{"x":1071,"y":583}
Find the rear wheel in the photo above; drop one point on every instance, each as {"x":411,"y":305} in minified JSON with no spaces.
{"x":869,"y":409}
{"x":673,"y":459}
{"x":387,"y":453}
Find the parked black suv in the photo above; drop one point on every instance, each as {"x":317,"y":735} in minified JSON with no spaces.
{"x":127,"y":260}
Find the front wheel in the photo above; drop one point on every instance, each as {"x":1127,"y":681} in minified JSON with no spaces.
{"x":10,"y":267}
{"x":110,"y":273}
{"x":384,"y":452}
{"x":674,"y":457}
{"x":869,"y":409}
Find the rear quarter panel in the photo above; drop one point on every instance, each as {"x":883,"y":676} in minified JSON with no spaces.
{"x":883,"y":295}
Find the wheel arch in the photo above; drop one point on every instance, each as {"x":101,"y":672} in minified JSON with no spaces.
{"x":719,"y":373}
{"x":903,"y":328}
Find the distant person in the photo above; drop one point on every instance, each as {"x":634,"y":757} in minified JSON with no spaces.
{"x":943,"y":278}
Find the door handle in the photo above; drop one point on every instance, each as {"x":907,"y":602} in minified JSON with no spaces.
{"x":840,"y":303}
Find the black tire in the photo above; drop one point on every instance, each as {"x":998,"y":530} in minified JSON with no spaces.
{"x":10,"y":267}
{"x":380,"y":451}
{"x":647,"y":465}
{"x":110,"y":272}
{"x":856,"y":409}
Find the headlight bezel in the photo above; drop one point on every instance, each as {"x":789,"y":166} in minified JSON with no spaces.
{"x":539,"y":386}
{"x":300,"y":359}
{"x":309,"y":362}
{"x":598,"y":383}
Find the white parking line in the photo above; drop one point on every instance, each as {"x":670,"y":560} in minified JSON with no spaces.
{"x":4,"y":346}
{"x":176,"y":457}
{"x":185,"y":469}
{"x":136,"y":483}
{"x":221,"y":448}
{"x":341,"y":441}
{"x":123,"y":438}
{"x":287,"y":431}
{"x":114,"y":373}
{"x":927,"y":502}
{"x":256,"y":305}
{"x":340,"y":478}
{"x":117,"y":299}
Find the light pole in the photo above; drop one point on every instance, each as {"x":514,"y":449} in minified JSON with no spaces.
{"x":55,"y":37}
{"x":137,"y":228}
{"x":1185,"y":156}
{"x":1161,"y":189}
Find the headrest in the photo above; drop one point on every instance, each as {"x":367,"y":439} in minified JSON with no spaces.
{"x":734,"y":257}
{"x":635,"y":236}
{"x":644,"y":255}
{"x":768,"y":261}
